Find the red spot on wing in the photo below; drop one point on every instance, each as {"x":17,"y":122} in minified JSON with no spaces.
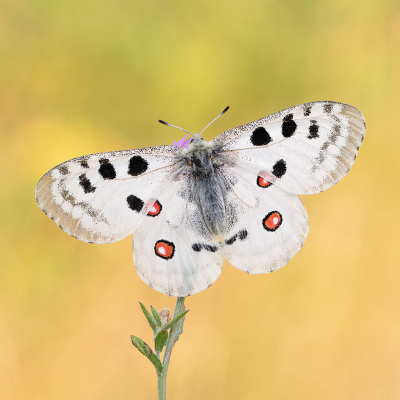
{"x":164,"y":249}
{"x":263,"y":182}
{"x":155,"y":209}
{"x":265,"y":179}
{"x":272,"y":221}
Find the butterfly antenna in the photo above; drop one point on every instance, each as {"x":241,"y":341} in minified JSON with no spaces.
{"x":223,"y":112}
{"x":166,"y":123}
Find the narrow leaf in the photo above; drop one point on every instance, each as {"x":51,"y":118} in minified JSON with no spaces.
{"x":179,"y":329}
{"x":175,"y":319}
{"x":160,"y":340}
{"x":145,"y":349}
{"x":149,"y":317}
{"x":156,"y":316}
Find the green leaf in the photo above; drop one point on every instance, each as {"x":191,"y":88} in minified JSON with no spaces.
{"x":145,"y":349}
{"x":156,"y":316}
{"x":149,"y":317}
{"x":179,"y":329}
{"x":160,"y":340}
{"x":175,"y":320}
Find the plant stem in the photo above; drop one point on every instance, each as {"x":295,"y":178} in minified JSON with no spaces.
{"x":162,"y":376}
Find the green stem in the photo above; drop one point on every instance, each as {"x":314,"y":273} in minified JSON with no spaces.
{"x":162,"y":376}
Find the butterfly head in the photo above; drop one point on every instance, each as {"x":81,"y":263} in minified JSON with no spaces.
{"x":196,"y":143}
{"x":185,"y":143}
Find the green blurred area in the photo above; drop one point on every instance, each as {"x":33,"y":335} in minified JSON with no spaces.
{"x":80,"y":77}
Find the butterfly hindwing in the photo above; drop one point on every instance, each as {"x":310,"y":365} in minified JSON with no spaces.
{"x":175,"y":253}
{"x":265,"y":236}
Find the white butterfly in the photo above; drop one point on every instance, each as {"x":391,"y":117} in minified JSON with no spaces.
{"x":189,"y":209}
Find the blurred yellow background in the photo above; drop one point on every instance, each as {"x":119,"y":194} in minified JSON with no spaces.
{"x":80,"y":77}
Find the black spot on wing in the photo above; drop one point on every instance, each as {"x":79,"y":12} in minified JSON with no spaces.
{"x":107,"y":170}
{"x":84,"y":164}
{"x":260,"y":137}
{"x":63,"y":170}
{"x":242,"y":234}
{"x":335,"y":131}
{"x":313,"y":129}
{"x":134,"y":203}
{"x":137,"y":165}
{"x":68,"y":197}
{"x":307,"y":111}
{"x":197,"y":247}
{"x":279,"y":169}
{"x":288,"y":126}
{"x":212,"y":249}
{"x":328,"y":108}
{"x":231,"y":240}
{"x":85,"y":183}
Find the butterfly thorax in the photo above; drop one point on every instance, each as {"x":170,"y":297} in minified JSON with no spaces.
{"x":202,"y":165}
{"x":208,"y":189}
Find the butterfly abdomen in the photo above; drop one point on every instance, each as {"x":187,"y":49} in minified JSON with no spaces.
{"x":212,"y":204}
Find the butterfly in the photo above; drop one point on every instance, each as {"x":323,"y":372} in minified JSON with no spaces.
{"x":193,"y":205}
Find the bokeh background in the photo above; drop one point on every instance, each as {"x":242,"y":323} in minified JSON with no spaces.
{"x":79,"y":77}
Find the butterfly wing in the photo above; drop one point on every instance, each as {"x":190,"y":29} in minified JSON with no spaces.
{"x":302,"y":150}
{"x":306,"y":148}
{"x":265,"y":234}
{"x":101,"y":198}
{"x":176,"y":254}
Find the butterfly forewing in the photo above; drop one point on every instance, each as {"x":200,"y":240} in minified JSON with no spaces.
{"x":309,"y":147}
{"x":99,"y":198}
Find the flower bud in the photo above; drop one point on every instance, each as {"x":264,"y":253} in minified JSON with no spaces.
{"x":165,"y":316}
